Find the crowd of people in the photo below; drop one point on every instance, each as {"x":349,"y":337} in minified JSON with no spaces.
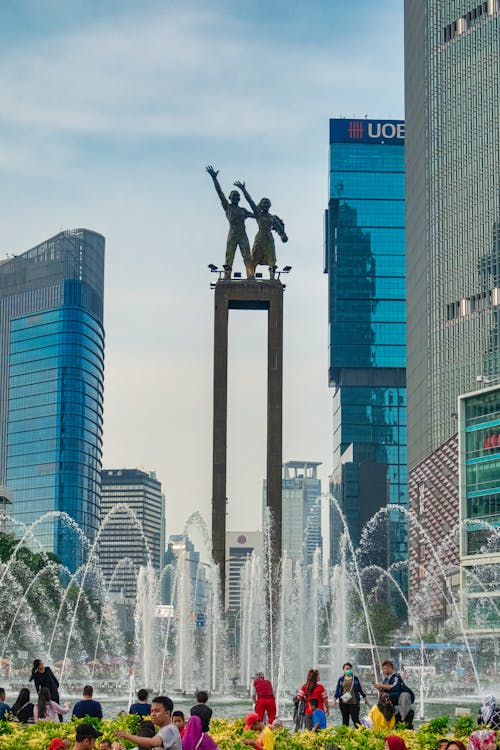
{"x":162,"y":727}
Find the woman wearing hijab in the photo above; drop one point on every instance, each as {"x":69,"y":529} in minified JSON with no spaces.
{"x":393,"y":742}
{"x":489,"y":714}
{"x":382,"y":714}
{"x":483,"y":739}
{"x":194,"y":739}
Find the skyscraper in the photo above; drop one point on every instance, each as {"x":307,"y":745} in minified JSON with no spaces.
{"x":51,"y":387}
{"x":365,"y":262}
{"x":138,"y":535}
{"x":452,"y":63}
{"x":301,"y":530}
{"x":452,"y":90}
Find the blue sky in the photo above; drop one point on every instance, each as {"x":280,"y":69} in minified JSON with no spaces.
{"x":109,"y":112}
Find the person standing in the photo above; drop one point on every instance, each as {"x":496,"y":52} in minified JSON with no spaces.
{"x":142,"y":707}
{"x":391,"y":684}
{"x":265,"y":702}
{"x":313,"y":689}
{"x":87,"y":706}
{"x":43,"y":676}
{"x":489,"y":714}
{"x":168,"y":735}
{"x":202,"y":710}
{"x":349,"y":693}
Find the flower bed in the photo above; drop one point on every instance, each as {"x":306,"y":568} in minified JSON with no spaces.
{"x":228,"y":735}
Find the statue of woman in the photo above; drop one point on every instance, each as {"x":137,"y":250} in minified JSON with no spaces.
{"x":263,"y":250}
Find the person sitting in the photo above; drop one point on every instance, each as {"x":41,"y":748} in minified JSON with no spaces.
{"x":46,"y":709}
{"x":381,"y":715}
{"x":87,"y":706}
{"x":4,"y":707}
{"x":142,"y":707}
{"x":489,"y":714}
{"x":318,"y":716}
{"x":22,"y":710}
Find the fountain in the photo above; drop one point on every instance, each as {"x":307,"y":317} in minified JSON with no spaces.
{"x":321,"y":616}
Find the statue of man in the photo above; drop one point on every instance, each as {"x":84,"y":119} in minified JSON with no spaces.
{"x":237,"y":236}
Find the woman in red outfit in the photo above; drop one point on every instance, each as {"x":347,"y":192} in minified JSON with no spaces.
{"x":264,"y":698}
{"x":313,"y":689}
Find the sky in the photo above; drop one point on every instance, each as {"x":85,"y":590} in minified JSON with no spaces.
{"x":109,"y":112}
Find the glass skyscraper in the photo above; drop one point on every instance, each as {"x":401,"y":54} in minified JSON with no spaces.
{"x":51,"y":387}
{"x":452,"y":91}
{"x":365,"y":262}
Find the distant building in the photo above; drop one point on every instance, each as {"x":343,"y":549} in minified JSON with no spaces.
{"x":51,"y":387}
{"x":479,"y":459}
{"x":365,"y":262}
{"x":123,"y":537}
{"x":239,"y":547}
{"x":180,"y":545}
{"x":301,"y":492}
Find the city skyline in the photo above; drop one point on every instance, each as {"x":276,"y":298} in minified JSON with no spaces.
{"x":109,"y":119}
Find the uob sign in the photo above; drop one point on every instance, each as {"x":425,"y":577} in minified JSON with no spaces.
{"x":386,"y":130}
{"x":367,"y":131}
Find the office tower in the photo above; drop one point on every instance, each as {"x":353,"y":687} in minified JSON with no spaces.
{"x":184,"y":550}
{"x":239,"y":547}
{"x":51,"y":387}
{"x":452,"y":73}
{"x":452,"y":64}
{"x":133,"y":515}
{"x":301,"y":492}
{"x":365,"y":262}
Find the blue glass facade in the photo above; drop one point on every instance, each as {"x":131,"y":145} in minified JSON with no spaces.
{"x":365,"y":262}
{"x":51,"y":400}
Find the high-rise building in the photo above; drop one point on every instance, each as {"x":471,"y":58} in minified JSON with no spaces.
{"x":51,"y":387}
{"x":133,"y":511}
{"x":365,"y":262}
{"x":452,"y":89}
{"x":240,"y":545}
{"x":301,"y":519}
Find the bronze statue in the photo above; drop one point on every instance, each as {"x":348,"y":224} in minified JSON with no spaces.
{"x":237,"y":235}
{"x":263,"y":251}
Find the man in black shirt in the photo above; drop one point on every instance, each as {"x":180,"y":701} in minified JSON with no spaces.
{"x":202,"y":710}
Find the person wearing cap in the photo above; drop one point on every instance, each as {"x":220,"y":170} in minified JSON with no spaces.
{"x":85,"y":737}
{"x":168,"y":735}
{"x":57,"y":743}
{"x":265,"y":739}
{"x":263,"y":694}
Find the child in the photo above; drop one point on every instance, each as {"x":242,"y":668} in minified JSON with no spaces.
{"x":202,"y":710}
{"x":318,"y":716}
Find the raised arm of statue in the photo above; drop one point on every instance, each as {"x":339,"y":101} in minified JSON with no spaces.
{"x":213,"y":174}
{"x":251,"y":203}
